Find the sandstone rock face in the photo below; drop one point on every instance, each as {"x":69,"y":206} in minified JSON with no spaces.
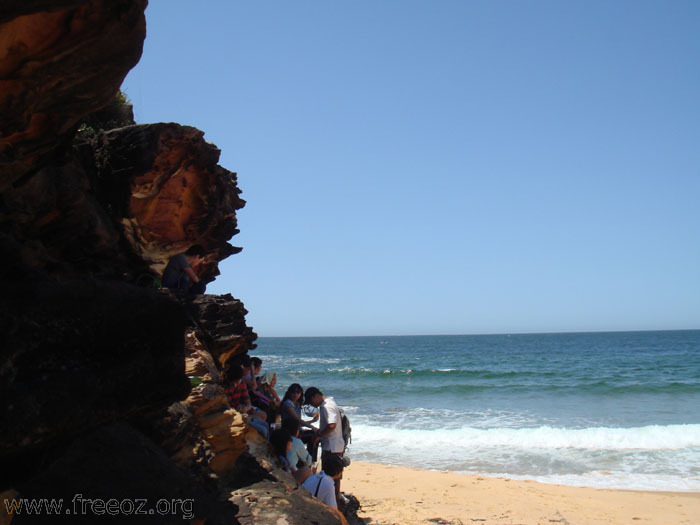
{"x":266,"y":502}
{"x":79,"y":355}
{"x":59,"y":61}
{"x":171,"y":193}
{"x":221,"y":325}
{"x":94,"y":361}
{"x":223,"y":428}
{"x":123,"y":204}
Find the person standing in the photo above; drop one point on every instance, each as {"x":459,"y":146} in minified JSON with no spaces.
{"x":330,"y":427}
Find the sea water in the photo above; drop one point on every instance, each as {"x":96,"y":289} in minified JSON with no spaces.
{"x":608,"y":410}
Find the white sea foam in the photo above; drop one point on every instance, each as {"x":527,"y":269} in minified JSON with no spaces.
{"x":351,"y":369}
{"x":653,"y":437}
{"x":445,"y":418}
{"x":652,"y":457}
{"x":274,"y":359}
{"x":312,"y":360}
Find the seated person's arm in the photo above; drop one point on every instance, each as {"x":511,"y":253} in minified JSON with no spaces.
{"x":274,"y":394}
{"x":250,"y":382}
{"x":292,"y":458}
{"x":306,"y":458}
{"x":193,"y":276}
{"x":308,"y":423}
{"x":289,"y":412}
{"x":272,"y":384}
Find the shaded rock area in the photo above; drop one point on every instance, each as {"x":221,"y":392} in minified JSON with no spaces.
{"x":60,"y":61}
{"x":81,"y":354}
{"x":97,"y":409}
{"x":221,"y":325}
{"x":117,"y":462}
{"x":123,"y":203}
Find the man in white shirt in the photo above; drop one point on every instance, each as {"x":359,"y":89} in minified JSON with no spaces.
{"x":322,"y":486}
{"x":330,"y":428}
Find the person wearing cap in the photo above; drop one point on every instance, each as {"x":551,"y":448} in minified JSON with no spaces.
{"x":330,"y":427}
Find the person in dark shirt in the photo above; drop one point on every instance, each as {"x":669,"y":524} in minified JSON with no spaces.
{"x":281,"y":441}
{"x":237,"y":393}
{"x":179,"y":275}
{"x":235,"y":389}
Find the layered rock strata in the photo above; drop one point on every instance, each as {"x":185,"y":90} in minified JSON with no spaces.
{"x":59,"y":61}
{"x":95,"y":359}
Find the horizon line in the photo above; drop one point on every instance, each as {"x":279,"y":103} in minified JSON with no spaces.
{"x":484,"y":334}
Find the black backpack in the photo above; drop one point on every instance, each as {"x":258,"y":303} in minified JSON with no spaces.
{"x":347,"y":429}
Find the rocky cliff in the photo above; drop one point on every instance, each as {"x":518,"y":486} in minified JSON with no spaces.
{"x":97,"y":405}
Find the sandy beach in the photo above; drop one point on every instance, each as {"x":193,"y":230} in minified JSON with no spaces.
{"x":404,"y":496}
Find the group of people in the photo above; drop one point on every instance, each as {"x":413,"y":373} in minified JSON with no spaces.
{"x":288,"y":443}
{"x":252,"y":394}
{"x":294,"y":439}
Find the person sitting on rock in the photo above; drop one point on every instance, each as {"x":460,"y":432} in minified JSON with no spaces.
{"x":260,"y":396}
{"x":281,"y":441}
{"x":266,"y":388}
{"x":291,"y":409}
{"x":179,"y":275}
{"x":297,"y":456}
{"x":322,"y":485}
{"x":237,"y":394}
{"x":254,"y":365}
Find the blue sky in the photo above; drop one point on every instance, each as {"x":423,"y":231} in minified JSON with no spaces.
{"x":445,"y":167}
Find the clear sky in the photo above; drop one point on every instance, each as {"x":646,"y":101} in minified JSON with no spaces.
{"x":445,"y":167}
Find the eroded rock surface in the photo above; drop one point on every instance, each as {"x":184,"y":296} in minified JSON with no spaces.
{"x":221,"y":325}
{"x":95,"y":359}
{"x":59,"y":61}
{"x":164,"y":182}
{"x":123,"y":204}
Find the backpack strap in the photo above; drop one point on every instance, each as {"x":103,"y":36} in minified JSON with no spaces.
{"x":320,"y":479}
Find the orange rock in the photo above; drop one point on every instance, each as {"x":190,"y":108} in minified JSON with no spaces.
{"x":56,"y":66}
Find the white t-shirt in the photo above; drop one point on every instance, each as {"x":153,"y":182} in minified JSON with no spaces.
{"x":330,"y":413}
{"x":326,"y":489}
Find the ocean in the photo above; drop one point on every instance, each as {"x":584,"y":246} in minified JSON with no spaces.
{"x":608,"y":410}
